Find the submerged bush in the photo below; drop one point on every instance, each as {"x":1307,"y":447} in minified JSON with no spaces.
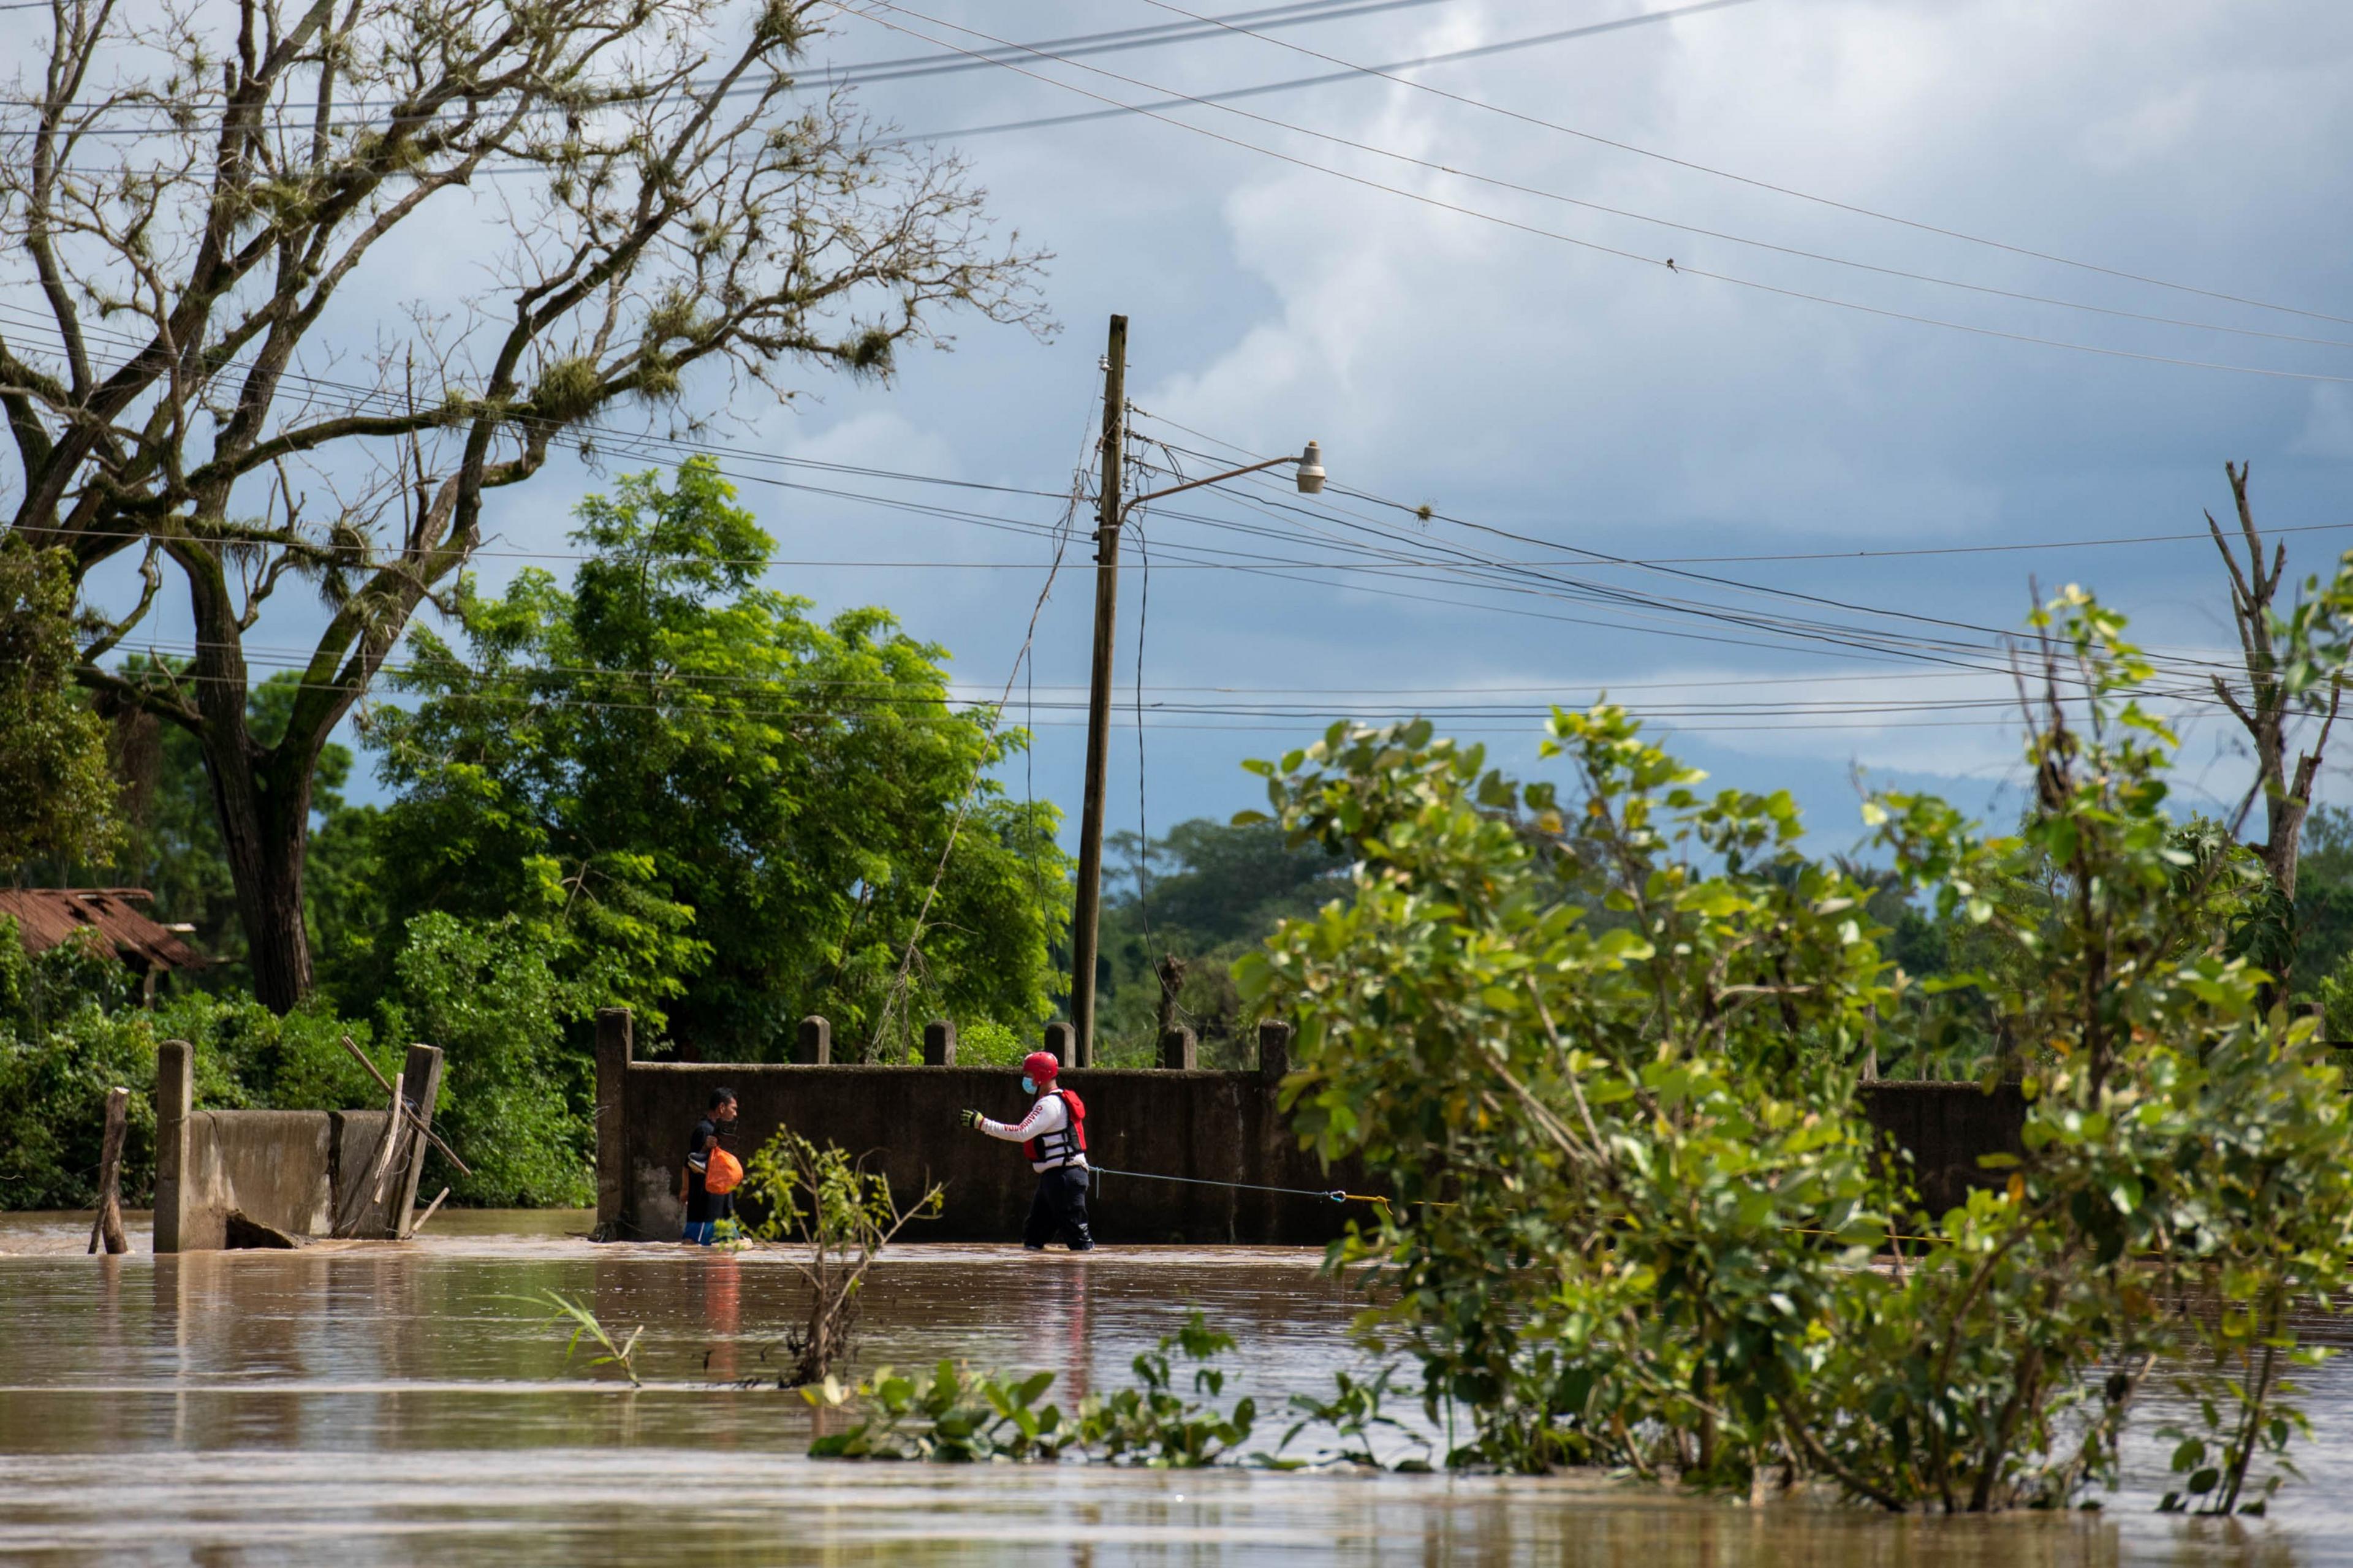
{"x":839,"y":1216}
{"x":959,"y":1416}
{"x":1605,"y":1050}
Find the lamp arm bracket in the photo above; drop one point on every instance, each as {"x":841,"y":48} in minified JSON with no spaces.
{"x":1211,"y":479}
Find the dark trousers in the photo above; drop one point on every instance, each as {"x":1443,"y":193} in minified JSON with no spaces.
{"x":1059,"y":1208}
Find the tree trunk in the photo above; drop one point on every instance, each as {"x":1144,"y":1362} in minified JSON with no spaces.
{"x":261,"y":799}
{"x":266,"y":832}
{"x":2283,"y":817}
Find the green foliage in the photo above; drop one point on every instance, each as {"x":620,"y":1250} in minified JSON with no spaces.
{"x":1206,"y":893}
{"x":61,"y":1052}
{"x":1152,"y":1423}
{"x":1356,"y":1410}
{"x":955,"y":1418}
{"x":988,"y":1043}
{"x":693,"y":780}
{"x":68,"y":1034}
{"x":171,"y":844}
{"x":514,"y":1098}
{"x":1637,"y":1199}
{"x":565,"y":1312}
{"x":2324,"y":903}
{"x":250,"y":1058}
{"x":56,"y":796}
{"x":841,"y":1217}
{"x":959,"y":1417}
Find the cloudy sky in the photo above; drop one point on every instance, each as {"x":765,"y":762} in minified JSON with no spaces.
{"x":1482,"y":337}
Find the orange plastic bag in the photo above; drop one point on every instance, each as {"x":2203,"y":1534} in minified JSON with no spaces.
{"x":722,"y":1172}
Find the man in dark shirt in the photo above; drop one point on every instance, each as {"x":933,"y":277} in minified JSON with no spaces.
{"x":704,"y":1210}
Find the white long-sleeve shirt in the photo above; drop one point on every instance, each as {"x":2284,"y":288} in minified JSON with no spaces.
{"x":1049,"y":1115}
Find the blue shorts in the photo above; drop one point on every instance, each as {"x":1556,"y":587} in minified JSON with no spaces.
{"x":701,"y":1232}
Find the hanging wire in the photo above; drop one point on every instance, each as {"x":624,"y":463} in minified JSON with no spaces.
{"x":996,"y":716}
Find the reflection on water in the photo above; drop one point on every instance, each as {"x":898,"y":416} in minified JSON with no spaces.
{"x":368,"y":1403}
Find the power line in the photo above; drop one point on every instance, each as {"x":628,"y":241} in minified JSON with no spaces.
{"x":521,"y":693}
{"x":1287,"y":504}
{"x":1223,"y":99}
{"x":1517,"y":578}
{"x":1857,"y":210}
{"x":1198,"y":26}
{"x":853,"y":74}
{"x":1012,"y":51}
{"x":1543,"y":232}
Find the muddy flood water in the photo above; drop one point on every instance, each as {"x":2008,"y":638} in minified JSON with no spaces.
{"x":357,"y":1404}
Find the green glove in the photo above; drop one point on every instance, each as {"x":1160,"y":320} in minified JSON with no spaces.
{"x":969,"y":1118}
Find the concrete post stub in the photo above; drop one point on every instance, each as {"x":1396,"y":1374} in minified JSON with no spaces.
{"x":1178,"y":1050}
{"x":175,"y":1099}
{"x":813,"y":1045}
{"x":1273,"y":1050}
{"x":1059,"y":1038}
{"x":939,"y":1044}
{"x":613,"y":1049}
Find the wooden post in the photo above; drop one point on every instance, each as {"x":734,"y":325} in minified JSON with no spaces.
{"x":1273,"y":1050}
{"x":108,"y":1225}
{"x":1178,"y":1050}
{"x":813,"y":1045}
{"x":174,"y":1100}
{"x":1089,"y":907}
{"x":939,"y":1044}
{"x":614,"y":1049}
{"x":1058,"y":1042}
{"x":420,"y":1079}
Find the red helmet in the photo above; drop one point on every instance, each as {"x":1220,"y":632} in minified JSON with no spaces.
{"x":1039,"y":1067}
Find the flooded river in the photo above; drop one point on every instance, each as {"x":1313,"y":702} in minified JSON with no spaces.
{"x":358,"y":1404}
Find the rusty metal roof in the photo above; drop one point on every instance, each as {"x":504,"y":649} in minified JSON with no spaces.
{"x":46,"y":917}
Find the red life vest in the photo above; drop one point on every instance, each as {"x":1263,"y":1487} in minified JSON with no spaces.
{"x":1066,"y":1142}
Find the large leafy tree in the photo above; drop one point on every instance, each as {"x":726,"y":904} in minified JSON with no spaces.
{"x":214,"y":215}
{"x":736,"y":813}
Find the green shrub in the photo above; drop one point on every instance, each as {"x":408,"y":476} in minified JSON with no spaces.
{"x":53,"y":1088}
{"x":989,"y":1044}
{"x":248,"y":1058}
{"x":516,"y":1102}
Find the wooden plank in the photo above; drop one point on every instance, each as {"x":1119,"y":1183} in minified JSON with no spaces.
{"x":108,"y":1225}
{"x":430,"y":1210}
{"x":395,"y":1133}
{"x":434,"y":1138}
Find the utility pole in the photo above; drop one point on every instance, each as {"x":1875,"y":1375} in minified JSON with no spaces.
{"x":1089,"y":908}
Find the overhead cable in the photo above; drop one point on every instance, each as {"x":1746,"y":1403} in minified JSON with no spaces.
{"x":1385,"y":72}
{"x":1668,"y":263}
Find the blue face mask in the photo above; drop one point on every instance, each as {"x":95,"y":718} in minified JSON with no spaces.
{"x":1028,"y":1087}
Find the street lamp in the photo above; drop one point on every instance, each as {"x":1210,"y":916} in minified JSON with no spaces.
{"x":1111,"y":512}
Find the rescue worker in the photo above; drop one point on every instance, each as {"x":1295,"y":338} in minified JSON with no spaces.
{"x":704,"y":1208}
{"x":1054,"y":1138}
